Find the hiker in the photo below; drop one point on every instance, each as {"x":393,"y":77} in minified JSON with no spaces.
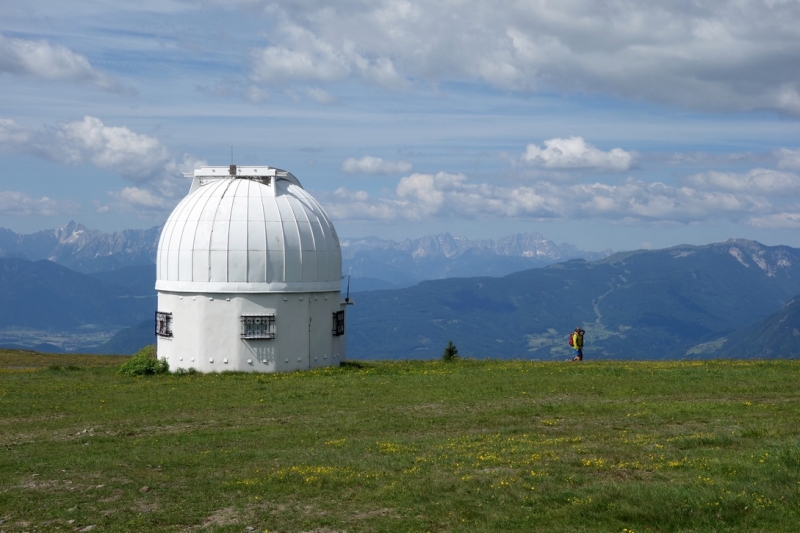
{"x":576,"y":341}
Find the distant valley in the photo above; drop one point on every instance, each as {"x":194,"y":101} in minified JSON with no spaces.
{"x":74,"y":289}
{"x":112,"y":269}
{"x":682,"y":302}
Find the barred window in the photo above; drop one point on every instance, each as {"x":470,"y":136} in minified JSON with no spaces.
{"x":163,"y":324}
{"x":338,"y":323}
{"x":258,"y":326}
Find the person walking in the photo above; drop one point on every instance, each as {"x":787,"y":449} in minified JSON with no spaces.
{"x":576,"y":341}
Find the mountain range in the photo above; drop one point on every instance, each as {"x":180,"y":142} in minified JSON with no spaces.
{"x":648,"y":304}
{"x":372,"y":263}
{"x":81,"y":249}
{"x":731,"y":299}
{"x":376,"y":264}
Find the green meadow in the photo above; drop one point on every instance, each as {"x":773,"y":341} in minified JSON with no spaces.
{"x":401,"y":446}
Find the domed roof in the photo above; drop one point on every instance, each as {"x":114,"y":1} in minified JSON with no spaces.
{"x":260,"y":232}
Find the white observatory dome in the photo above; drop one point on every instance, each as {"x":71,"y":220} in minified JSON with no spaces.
{"x":248,"y":230}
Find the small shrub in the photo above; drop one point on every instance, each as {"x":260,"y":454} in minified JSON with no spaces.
{"x":358,"y":365}
{"x":450,"y":352}
{"x":144,"y":362}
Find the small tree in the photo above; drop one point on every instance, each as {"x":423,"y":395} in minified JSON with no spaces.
{"x":450,"y":352}
{"x":144,"y":362}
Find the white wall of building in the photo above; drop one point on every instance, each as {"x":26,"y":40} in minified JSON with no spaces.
{"x":206,"y":331}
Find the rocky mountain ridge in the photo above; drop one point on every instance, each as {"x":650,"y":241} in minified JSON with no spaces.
{"x":389,"y":263}
{"x":81,"y":249}
{"x":404,"y":263}
{"x":648,"y":304}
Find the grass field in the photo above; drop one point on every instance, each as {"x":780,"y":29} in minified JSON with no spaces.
{"x":405,"y":446}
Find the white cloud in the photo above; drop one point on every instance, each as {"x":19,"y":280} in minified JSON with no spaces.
{"x":321,"y":97}
{"x":575,"y":153}
{"x":11,"y":134}
{"x":756,"y":181}
{"x":374,"y":165}
{"x":789,"y":158}
{"x":444,"y":195}
{"x":138,"y":158}
{"x":777,"y":221}
{"x":730,"y":55}
{"x":136,"y":199}
{"x":44,"y":61}
{"x":256,"y":94}
{"x":305,"y":58}
{"x":14,"y":203}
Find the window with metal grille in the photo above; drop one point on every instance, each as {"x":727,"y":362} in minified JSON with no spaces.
{"x":338,"y":323}
{"x":258,"y":326}
{"x":163,"y":324}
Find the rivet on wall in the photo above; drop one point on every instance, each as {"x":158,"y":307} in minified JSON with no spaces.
{"x":249,"y":361}
{"x":286,"y":360}
{"x":225,"y":361}
{"x":210,"y":359}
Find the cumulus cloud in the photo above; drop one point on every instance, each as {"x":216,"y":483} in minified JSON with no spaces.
{"x":138,"y":158}
{"x":374,"y":165}
{"x":789,"y":158}
{"x":321,"y":96}
{"x":136,"y":199}
{"x":575,"y":153}
{"x":787,"y":220}
{"x":756,"y":181}
{"x":730,"y":55}
{"x":444,"y":195}
{"x":14,"y":203}
{"x":303,"y":56}
{"x":44,"y":61}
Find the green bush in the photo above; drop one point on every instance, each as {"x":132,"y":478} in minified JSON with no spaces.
{"x":144,"y":362}
{"x":450,"y":352}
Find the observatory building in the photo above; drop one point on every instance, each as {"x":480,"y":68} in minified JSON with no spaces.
{"x":249,"y":274}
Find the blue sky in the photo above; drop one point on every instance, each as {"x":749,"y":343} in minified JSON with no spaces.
{"x":603,"y":124}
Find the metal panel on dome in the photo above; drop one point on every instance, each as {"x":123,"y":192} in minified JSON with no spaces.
{"x":321,"y":253}
{"x":240,"y":205}
{"x":237,"y":265}
{"x":172,"y":259}
{"x":185,"y":260}
{"x":256,"y":266}
{"x":276,"y":267}
{"x":219,"y":235}
{"x":218,"y":269}
{"x":202,"y":236}
{"x":238,"y":235}
{"x":256,"y":235}
{"x":199,"y":266}
{"x":275,"y":240}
